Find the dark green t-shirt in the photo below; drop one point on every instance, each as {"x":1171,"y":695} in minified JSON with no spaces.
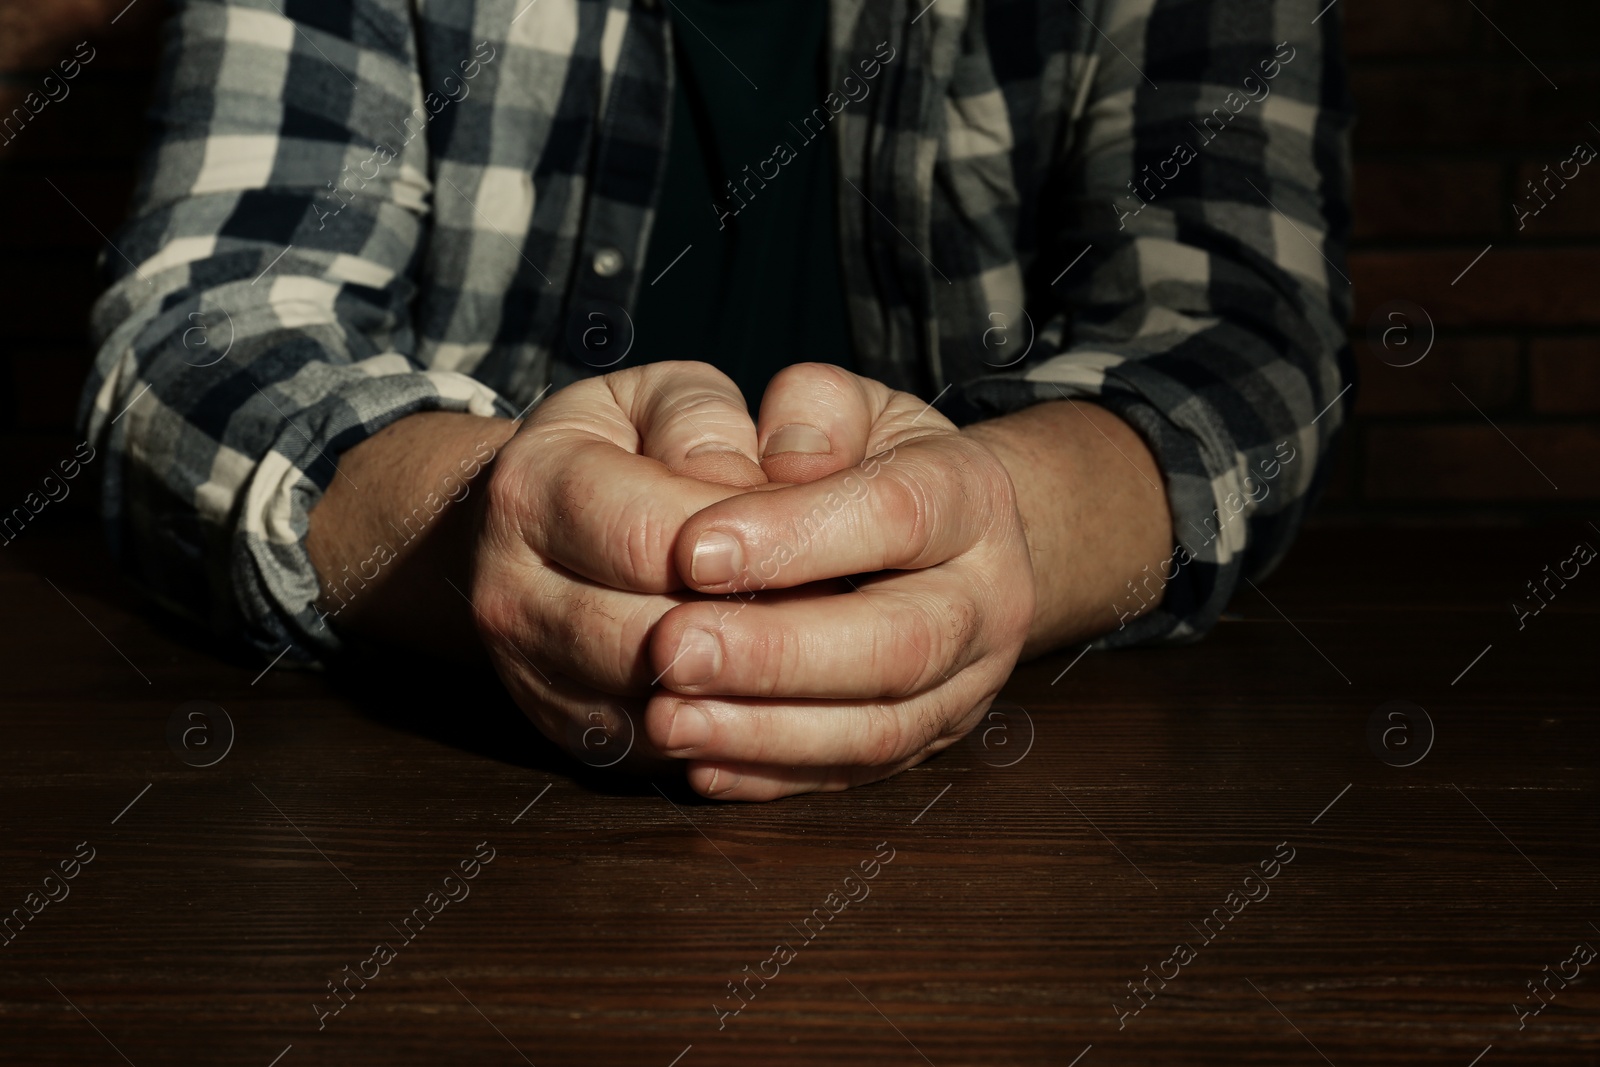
{"x":758,"y":287}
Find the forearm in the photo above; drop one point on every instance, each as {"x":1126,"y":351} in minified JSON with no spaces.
{"x":388,"y":553}
{"x":1094,"y":508}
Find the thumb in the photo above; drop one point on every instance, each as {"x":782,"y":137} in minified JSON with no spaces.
{"x":816,"y":420}
{"x":692,"y":418}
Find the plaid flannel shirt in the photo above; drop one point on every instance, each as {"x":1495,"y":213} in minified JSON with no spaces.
{"x":353,"y":210}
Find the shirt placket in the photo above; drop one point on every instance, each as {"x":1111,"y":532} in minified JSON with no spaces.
{"x":629,"y":157}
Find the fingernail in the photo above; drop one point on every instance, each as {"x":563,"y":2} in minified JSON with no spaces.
{"x":797,"y":437}
{"x":722,"y":781}
{"x":691,"y":728}
{"x":699,"y":658}
{"x":717,"y":558}
{"x":710,"y":447}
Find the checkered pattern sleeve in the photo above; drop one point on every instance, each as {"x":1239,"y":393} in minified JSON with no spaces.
{"x":257,"y":322}
{"x":1195,"y":285}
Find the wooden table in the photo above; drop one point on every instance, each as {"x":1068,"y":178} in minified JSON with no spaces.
{"x":1037,"y":871}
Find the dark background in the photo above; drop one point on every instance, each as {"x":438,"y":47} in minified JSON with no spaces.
{"x":1453,"y":120}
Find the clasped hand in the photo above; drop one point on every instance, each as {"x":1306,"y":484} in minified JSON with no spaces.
{"x":812,"y":601}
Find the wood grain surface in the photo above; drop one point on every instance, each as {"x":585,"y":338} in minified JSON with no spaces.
{"x":1034,"y":874}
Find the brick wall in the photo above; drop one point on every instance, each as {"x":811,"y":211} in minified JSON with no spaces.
{"x":1453,"y":120}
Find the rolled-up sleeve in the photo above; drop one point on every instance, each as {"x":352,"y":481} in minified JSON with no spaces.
{"x":257,"y":323}
{"x":1207,"y":194}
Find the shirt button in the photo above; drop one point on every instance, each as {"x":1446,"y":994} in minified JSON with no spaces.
{"x":607,"y":262}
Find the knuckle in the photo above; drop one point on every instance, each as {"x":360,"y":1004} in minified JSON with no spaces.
{"x":568,"y":492}
{"x":757,"y":735}
{"x":964,"y":622}
{"x":900,"y":659}
{"x":675,"y":385}
{"x":1023,"y":606}
{"x":618,"y":388}
{"x":666,"y":372}
{"x":575,"y":621}
{"x":563,"y":494}
{"x":584,"y":637}
{"x":905,"y":510}
{"x":883,"y":735}
{"x":629,"y":647}
{"x":813,"y":375}
{"x":765,"y":659}
{"x":505,"y":494}
{"x":767,"y":746}
{"x":643,"y":558}
{"x":494,"y":612}
{"x":987,"y":484}
{"x":555,"y":628}
{"x":607,"y":536}
{"x":940,"y":633}
{"x":628,"y":377}
{"x":695,"y":399}
{"x":937,"y":736}
{"x":645,"y":530}
{"x":801,"y":532}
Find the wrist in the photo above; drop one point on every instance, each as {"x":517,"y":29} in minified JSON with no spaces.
{"x":393,"y":557}
{"x":1094,"y":510}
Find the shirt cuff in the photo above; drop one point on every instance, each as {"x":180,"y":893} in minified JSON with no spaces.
{"x":273,"y":582}
{"x":1195,"y":583}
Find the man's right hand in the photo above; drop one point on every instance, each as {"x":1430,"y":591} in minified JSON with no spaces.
{"x":573,"y":538}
